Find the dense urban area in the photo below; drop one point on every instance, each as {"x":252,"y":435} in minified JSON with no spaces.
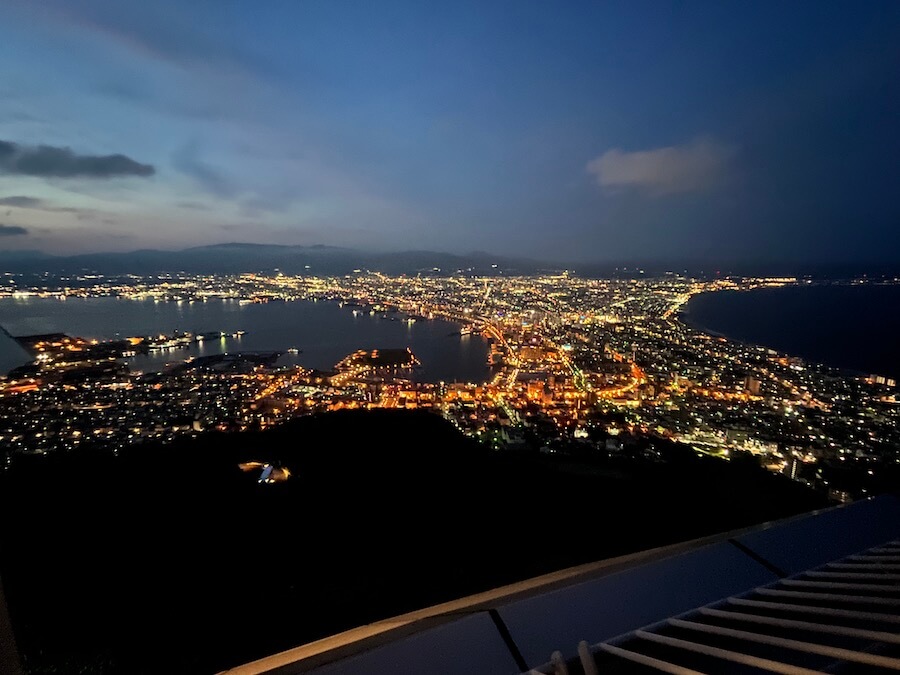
{"x":579,"y":367}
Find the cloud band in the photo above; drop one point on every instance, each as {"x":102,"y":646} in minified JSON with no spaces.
{"x":54,"y":162}
{"x":692,"y":167}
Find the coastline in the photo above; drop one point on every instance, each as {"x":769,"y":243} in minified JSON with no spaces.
{"x":814,"y":342}
{"x":684,"y":317}
{"x":290,"y":328}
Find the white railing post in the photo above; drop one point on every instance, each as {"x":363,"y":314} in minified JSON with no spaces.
{"x":587,"y":659}
{"x":559,"y":664}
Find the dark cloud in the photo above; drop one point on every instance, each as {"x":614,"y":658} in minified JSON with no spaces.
{"x":25,"y":202}
{"x":271,"y":203}
{"x":12,"y":230}
{"x":194,"y":206}
{"x":54,"y":162}
{"x":22,"y":202}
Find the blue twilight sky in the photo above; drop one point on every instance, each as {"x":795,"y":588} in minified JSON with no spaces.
{"x":713,"y":131}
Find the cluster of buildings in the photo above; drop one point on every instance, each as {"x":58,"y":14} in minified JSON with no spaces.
{"x":586,"y":366}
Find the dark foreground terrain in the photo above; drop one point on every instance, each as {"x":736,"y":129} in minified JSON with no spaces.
{"x":171,"y":560}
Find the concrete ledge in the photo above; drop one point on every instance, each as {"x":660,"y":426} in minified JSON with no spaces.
{"x":818,"y":538}
{"x":602,"y":608}
{"x":594,"y":601}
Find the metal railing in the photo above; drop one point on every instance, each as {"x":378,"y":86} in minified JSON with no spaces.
{"x":840,"y":617}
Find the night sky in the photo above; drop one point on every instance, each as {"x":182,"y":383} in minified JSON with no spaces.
{"x":582,"y":131}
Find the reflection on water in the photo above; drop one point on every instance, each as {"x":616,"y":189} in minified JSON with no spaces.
{"x":322,"y":332}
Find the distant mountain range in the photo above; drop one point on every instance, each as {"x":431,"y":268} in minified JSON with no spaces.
{"x":233,"y":258}
{"x":240,"y":257}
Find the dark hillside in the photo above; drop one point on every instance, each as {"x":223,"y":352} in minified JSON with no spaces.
{"x":170,"y":559}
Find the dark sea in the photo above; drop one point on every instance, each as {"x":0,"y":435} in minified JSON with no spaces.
{"x":851,"y":327}
{"x":324,"y":332}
